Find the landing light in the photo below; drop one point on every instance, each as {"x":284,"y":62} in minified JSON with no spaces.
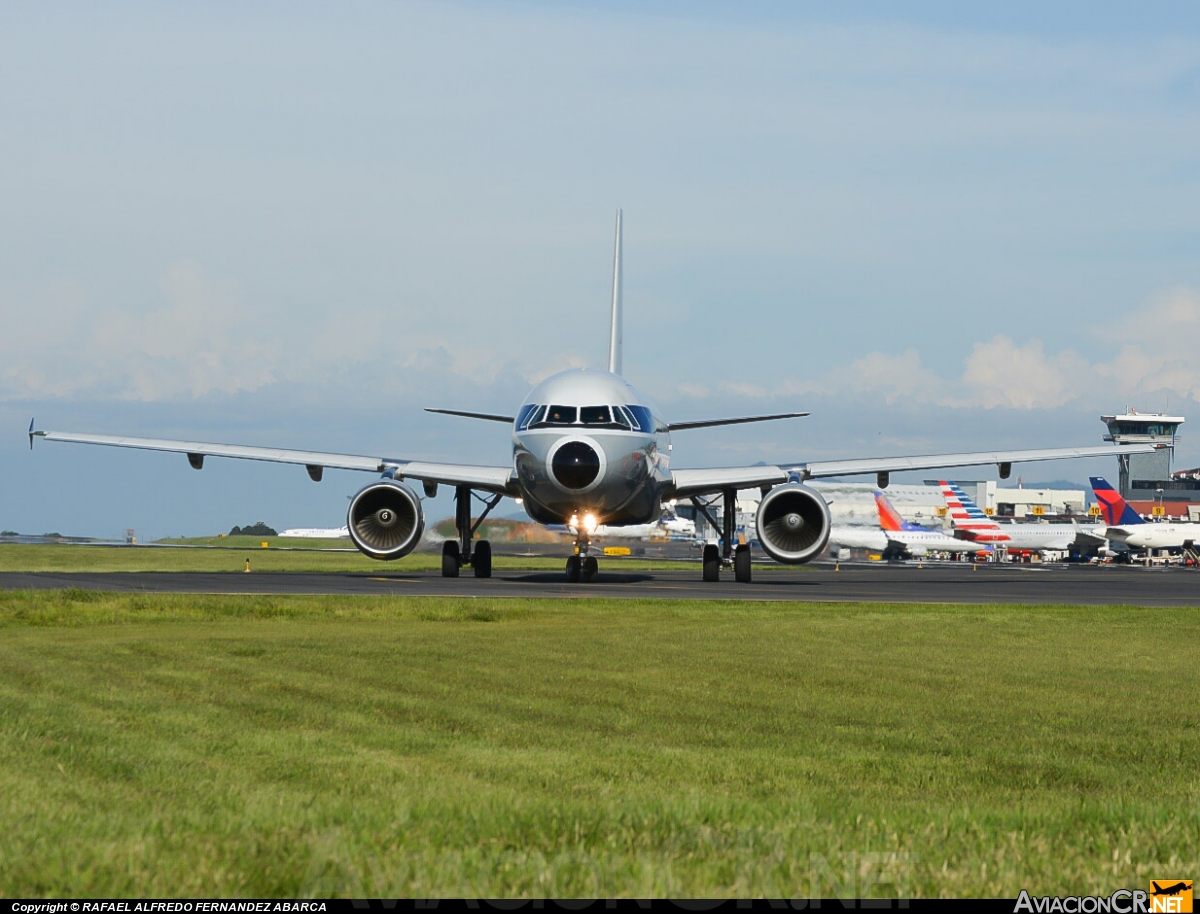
{"x":589,"y":523}
{"x":519,"y":501}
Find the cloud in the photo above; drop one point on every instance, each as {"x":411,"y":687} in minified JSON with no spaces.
{"x":194,"y":337}
{"x":1160,"y":346}
{"x":1158,"y":342}
{"x":194,"y":340}
{"x":1001,"y":373}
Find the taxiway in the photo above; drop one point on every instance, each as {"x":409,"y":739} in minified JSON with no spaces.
{"x":1122,"y":585}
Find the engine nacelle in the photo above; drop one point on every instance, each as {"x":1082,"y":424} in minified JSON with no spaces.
{"x":385,"y":520}
{"x":793,"y":523}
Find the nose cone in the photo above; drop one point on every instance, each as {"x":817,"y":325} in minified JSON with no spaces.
{"x":576,"y":465}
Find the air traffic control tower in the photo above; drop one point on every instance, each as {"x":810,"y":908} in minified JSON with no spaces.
{"x":1142,"y":475}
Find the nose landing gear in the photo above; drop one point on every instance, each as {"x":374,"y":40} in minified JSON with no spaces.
{"x":581,"y":566}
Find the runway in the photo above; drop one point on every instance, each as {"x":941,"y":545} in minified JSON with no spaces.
{"x":1110,"y":585}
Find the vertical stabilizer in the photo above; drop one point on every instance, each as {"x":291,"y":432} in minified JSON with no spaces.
{"x":889,"y":517}
{"x":1114,"y":509}
{"x":615,"y":334}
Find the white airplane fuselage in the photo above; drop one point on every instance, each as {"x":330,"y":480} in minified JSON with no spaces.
{"x":1163,"y":535}
{"x":916,"y":542}
{"x":586,"y":443}
{"x":1033,"y":537}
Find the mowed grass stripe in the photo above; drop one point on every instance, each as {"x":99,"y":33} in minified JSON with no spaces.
{"x":284,"y":554}
{"x":175,"y":745}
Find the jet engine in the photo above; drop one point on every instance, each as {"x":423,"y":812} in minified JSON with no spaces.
{"x":793,"y":523}
{"x":385,"y":520}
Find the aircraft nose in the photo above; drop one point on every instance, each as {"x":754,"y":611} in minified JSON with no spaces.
{"x":576,"y":465}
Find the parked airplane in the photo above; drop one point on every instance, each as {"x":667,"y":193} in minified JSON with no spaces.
{"x":586,"y":445}
{"x":668,"y":525}
{"x":1125,"y":526}
{"x":329,"y":533}
{"x":896,"y":538}
{"x":969,"y":521}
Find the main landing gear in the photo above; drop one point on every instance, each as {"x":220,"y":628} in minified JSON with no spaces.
{"x":581,"y":566}
{"x":726,"y":555}
{"x":457,"y":553}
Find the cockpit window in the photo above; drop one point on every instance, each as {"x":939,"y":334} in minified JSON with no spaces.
{"x":641,"y":418}
{"x":530,"y":415}
{"x":622,"y":417}
{"x":595,"y":415}
{"x":524,"y":414}
{"x":556,"y":415}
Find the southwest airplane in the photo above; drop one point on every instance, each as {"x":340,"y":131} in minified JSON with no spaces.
{"x":896,"y":538}
{"x":588,"y":450}
{"x":1125,"y":526}
{"x":974,"y":525}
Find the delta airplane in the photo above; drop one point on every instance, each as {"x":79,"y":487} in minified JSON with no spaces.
{"x":896,"y":538}
{"x":1125,"y":526}
{"x":974,"y":525}
{"x":586,"y":446}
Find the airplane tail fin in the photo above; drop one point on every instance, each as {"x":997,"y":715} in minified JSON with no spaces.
{"x":889,"y":517}
{"x":616,"y":338}
{"x":1113,"y":507}
{"x":967,"y":516}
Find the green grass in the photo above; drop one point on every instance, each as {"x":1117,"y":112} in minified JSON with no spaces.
{"x":180,"y":745}
{"x":62,"y":557}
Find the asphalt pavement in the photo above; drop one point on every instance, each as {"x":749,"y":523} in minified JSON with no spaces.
{"x":824,"y":583}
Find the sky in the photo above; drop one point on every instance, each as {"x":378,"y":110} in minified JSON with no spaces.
{"x":297,"y":224}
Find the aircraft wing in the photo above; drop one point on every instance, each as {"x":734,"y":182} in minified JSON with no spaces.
{"x":820,"y":469}
{"x":700,"y":482}
{"x":492,"y":479}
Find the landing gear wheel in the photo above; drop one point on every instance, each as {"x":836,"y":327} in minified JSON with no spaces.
{"x":741,"y":564}
{"x":590,"y":567}
{"x":573,"y":564}
{"x":481,"y":560}
{"x":450,"y":556}
{"x":712,"y":563}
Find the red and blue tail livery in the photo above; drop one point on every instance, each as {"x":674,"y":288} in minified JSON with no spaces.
{"x":967,"y":517}
{"x":1114,"y":509}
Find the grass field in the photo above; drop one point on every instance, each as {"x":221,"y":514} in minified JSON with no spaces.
{"x":281,"y":555}
{"x":175,"y":745}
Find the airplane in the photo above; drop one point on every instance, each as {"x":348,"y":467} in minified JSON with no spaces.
{"x":585,"y":444}
{"x":668,"y":525}
{"x":1125,"y":526}
{"x":974,"y":525}
{"x":896,"y":538}
{"x":331,"y":533}
{"x":1175,"y":889}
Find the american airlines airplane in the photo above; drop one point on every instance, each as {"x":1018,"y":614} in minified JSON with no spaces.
{"x":1125,"y":526}
{"x":974,"y":525}
{"x":896,"y":538}
{"x":586,"y":447}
